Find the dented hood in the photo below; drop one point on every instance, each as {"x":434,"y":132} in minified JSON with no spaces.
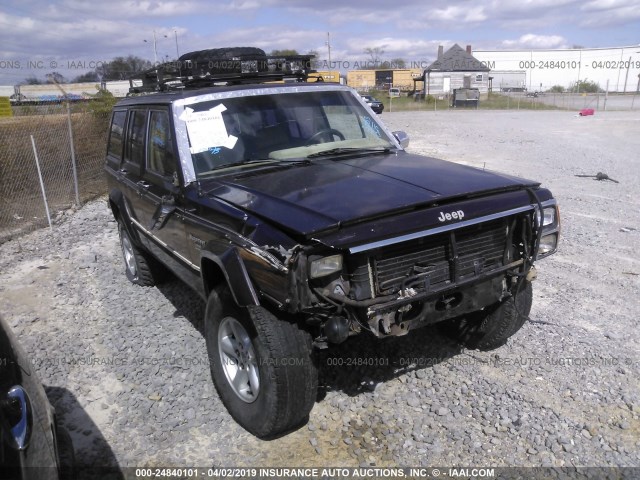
{"x":325,"y":194}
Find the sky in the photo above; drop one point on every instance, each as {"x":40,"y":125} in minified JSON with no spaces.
{"x":72,"y":36}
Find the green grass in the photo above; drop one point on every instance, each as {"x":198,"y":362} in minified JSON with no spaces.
{"x":495,"y":101}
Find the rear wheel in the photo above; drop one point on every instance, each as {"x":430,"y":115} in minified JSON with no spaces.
{"x":262,"y":366}
{"x":140,"y":267}
{"x":492,"y":327}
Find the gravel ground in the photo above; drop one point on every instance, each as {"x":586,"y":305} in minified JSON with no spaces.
{"x":126,"y":369}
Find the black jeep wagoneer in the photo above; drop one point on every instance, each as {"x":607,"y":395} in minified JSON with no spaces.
{"x":301,"y":221}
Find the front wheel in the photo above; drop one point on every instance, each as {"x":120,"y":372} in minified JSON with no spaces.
{"x":492,"y":327}
{"x":262,"y":366}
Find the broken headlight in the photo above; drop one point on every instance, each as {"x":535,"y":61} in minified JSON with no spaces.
{"x":548,"y":244}
{"x":325,"y":266}
{"x":550,"y":220}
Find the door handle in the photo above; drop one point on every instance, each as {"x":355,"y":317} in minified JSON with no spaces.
{"x":143,"y":184}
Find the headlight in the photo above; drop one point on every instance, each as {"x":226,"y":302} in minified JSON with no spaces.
{"x":548,"y":245}
{"x":325,"y":266}
{"x":549,"y":217}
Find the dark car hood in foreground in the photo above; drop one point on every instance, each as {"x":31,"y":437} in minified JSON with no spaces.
{"x":328,"y":193}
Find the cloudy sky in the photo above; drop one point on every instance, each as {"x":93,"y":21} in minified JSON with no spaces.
{"x":72,"y":35}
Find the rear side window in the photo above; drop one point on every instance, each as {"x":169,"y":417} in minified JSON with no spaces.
{"x":115,"y":134}
{"x":160,"y":153}
{"x":134,"y":152}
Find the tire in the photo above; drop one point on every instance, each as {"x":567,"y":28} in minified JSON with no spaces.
{"x":66,"y":455}
{"x":492,"y":327}
{"x":278,"y":377}
{"x":139,"y":267}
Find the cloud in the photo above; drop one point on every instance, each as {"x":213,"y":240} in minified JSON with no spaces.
{"x":411,"y":29}
{"x":457,"y":14}
{"x":132,"y":9}
{"x":601,"y":13}
{"x":532,"y":41}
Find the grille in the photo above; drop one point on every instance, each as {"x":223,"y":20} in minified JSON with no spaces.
{"x":479,"y":248}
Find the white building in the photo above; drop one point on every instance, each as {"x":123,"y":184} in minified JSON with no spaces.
{"x":455,"y":68}
{"x":619,"y":66}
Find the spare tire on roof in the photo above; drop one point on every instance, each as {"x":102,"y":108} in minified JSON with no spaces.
{"x":225,"y":60}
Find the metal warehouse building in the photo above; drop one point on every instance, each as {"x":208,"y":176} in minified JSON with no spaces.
{"x":617,"y":66}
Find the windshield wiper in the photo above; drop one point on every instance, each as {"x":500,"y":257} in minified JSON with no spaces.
{"x":349,"y":151}
{"x":250,"y":161}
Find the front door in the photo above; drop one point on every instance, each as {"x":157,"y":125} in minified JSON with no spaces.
{"x":158,"y":209}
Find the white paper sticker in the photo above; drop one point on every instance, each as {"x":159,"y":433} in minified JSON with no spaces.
{"x":207,"y":129}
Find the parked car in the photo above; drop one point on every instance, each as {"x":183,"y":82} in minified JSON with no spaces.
{"x":376,"y":105}
{"x":32,"y":444}
{"x":302,"y":221}
{"x":394,"y":92}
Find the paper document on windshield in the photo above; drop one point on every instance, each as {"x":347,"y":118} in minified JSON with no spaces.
{"x":207,"y":129}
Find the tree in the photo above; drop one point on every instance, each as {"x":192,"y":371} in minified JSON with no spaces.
{"x":87,"y":77}
{"x":283,"y":53}
{"x":398,"y":63}
{"x":585,"y":86}
{"x":121,"y":68}
{"x":316,"y":61}
{"x":101,"y":104}
{"x":375,"y":54}
{"x":32,"y":80}
{"x":55,"y":77}
{"x":557,"y":89}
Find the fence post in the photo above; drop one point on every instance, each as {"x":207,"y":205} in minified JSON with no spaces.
{"x":44,"y":195}
{"x":73,"y":155}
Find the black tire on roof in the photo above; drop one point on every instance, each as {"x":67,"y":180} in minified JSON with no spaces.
{"x":223,"y":60}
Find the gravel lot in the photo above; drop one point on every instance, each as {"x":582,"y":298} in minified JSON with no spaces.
{"x":126,"y":369}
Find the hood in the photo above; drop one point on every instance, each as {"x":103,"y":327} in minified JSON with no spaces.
{"x":327,"y":194}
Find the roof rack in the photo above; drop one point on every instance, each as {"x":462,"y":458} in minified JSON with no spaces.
{"x":221,"y":66}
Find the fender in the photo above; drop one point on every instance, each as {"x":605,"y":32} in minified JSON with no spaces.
{"x":232,"y":266}
{"x":121,"y":210}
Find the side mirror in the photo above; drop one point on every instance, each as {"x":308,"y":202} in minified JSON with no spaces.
{"x":402,"y":138}
{"x":16,"y":417}
{"x":163,"y":212}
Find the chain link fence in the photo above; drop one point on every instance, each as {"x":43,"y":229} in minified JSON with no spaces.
{"x":520,"y":100}
{"x":58,"y":148}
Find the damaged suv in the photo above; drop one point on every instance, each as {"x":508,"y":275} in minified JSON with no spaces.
{"x":301,"y":220}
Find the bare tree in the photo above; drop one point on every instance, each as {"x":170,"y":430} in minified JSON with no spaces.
{"x":121,"y":68}
{"x":398,"y":63}
{"x":55,"y":77}
{"x":375,"y":54}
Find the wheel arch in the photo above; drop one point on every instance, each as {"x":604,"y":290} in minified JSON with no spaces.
{"x":117,"y":203}
{"x":228,"y":269}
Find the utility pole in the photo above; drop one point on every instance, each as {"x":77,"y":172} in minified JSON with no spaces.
{"x":329,"y":49}
{"x":626,"y":78}
{"x":155,"y":48}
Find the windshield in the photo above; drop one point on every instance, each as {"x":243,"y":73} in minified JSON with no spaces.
{"x":250,"y":130}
